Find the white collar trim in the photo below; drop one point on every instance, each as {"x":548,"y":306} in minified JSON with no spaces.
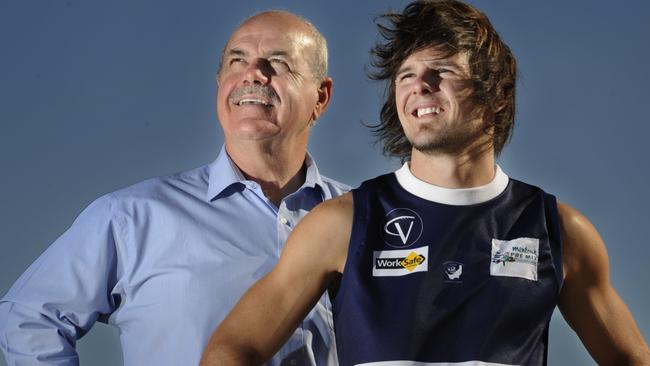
{"x":451,"y":196}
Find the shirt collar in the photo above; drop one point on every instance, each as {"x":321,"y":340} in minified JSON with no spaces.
{"x":313,"y":178}
{"x":224,"y":173}
{"x":449,"y":196}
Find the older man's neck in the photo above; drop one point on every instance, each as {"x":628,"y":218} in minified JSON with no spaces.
{"x":278,"y":169}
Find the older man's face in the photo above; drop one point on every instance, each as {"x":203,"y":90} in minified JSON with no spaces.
{"x":266,"y":86}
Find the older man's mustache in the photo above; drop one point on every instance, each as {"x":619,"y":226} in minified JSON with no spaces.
{"x":259,"y":92}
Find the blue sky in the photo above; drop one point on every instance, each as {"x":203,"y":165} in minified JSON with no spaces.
{"x":97,"y":95}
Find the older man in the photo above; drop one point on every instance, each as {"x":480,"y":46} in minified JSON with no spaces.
{"x":447,"y":261}
{"x":166,"y":259}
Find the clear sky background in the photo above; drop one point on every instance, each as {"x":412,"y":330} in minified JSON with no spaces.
{"x":98,"y":95}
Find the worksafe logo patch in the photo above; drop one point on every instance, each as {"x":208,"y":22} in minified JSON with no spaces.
{"x":402,"y":228}
{"x":515,"y":258}
{"x":400,"y":262}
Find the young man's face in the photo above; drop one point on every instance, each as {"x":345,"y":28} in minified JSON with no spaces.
{"x":434,"y":104}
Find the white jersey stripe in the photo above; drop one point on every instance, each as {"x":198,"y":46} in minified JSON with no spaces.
{"x":416,"y":363}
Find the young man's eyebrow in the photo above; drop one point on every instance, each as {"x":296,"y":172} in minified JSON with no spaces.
{"x":445,"y":63}
{"x":402,"y":70}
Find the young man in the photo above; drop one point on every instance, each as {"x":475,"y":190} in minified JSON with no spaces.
{"x":448,"y":261}
{"x":166,"y":259}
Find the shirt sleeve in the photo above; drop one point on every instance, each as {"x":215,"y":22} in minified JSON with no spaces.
{"x":61,"y":295}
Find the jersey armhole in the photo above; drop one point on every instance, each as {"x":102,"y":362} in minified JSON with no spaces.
{"x":357,"y":238}
{"x":555,"y":238}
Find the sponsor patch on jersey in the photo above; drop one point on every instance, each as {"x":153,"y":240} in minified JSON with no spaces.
{"x":515,"y":258}
{"x":400,"y":262}
{"x":402,"y":228}
{"x":453,"y":271}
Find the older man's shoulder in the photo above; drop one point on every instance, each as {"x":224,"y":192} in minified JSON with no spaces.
{"x":334,"y":187}
{"x":172,"y":190}
{"x":192,"y":182}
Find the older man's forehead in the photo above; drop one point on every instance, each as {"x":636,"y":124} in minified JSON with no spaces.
{"x":290,"y":42}
{"x":262,"y":46}
{"x":283,"y":34}
{"x":272,"y":25}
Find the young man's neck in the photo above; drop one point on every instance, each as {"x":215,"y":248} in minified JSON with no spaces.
{"x":278,"y":169}
{"x":471,"y":168}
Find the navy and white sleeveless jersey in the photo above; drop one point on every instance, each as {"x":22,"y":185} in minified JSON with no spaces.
{"x":439,"y":276}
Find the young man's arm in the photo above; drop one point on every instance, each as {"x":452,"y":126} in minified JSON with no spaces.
{"x":270,"y":310}
{"x":588,"y":301}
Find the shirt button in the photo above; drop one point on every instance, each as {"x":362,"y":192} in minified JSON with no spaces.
{"x":284,"y":220}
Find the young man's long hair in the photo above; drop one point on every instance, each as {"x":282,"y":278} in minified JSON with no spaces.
{"x":456,"y":27}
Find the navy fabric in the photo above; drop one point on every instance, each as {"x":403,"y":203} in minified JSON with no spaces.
{"x":425,"y":315}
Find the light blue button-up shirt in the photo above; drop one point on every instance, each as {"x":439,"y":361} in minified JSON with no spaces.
{"x":163,"y":260}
